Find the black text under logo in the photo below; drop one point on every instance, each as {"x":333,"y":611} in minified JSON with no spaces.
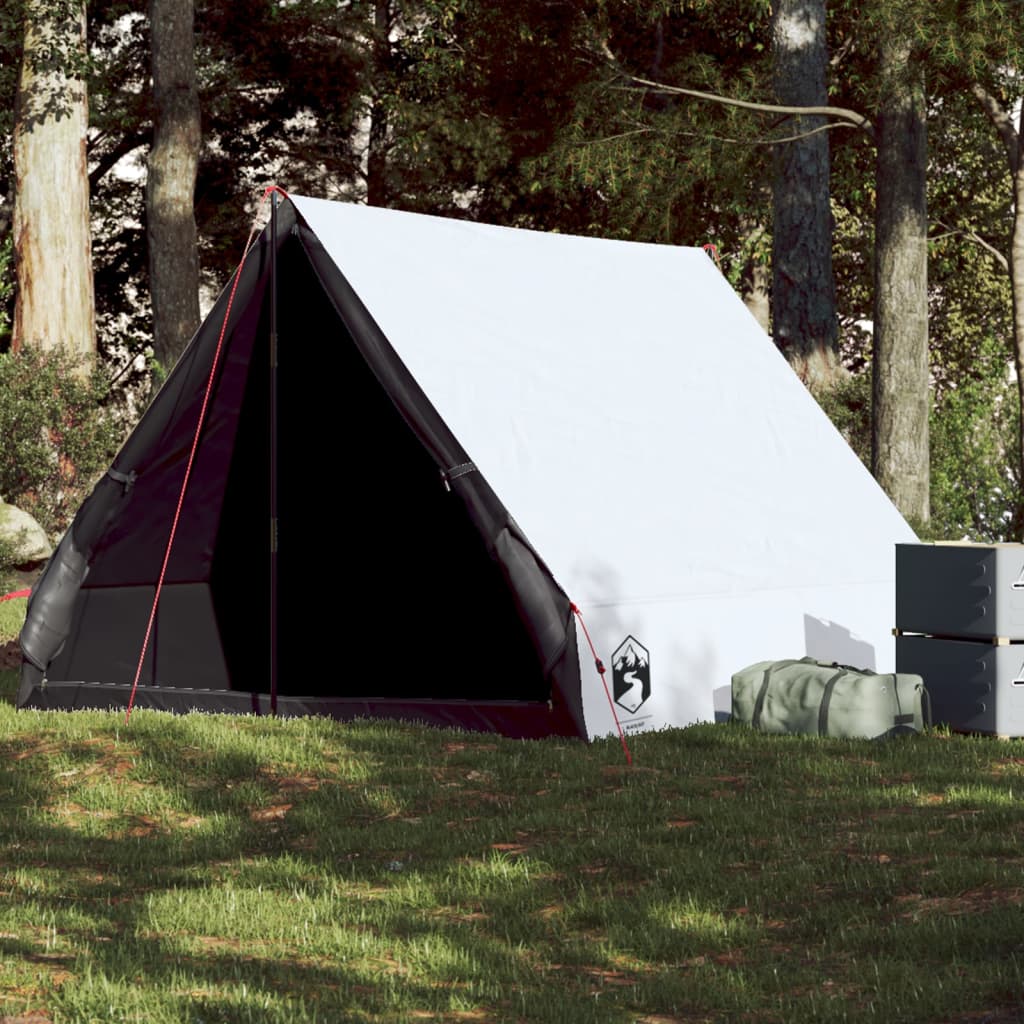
{"x":631,"y":674}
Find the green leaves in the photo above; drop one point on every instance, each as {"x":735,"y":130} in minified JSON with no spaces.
{"x":976,"y":492}
{"x":58,"y":436}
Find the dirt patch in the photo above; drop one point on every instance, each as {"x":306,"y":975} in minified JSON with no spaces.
{"x":10,"y":656}
{"x":974,"y":901}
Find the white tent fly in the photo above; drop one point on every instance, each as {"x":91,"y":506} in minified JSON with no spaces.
{"x":679,"y":481}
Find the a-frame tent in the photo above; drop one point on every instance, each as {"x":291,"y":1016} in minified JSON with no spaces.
{"x":467,"y":430}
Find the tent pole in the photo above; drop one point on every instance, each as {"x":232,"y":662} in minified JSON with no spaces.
{"x":273,"y":453}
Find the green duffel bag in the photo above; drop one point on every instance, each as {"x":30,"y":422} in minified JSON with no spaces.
{"x":815,"y":698}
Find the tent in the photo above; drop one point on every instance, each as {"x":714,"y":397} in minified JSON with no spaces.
{"x":444,"y":469}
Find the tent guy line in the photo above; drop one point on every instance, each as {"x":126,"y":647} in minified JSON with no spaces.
{"x":601,"y":671}
{"x":188,"y":465}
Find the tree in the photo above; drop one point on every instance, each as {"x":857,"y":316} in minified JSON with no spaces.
{"x":290,"y":114}
{"x":900,"y":392}
{"x":970,"y":48}
{"x":1012,"y":138}
{"x":170,"y":182}
{"x":557,"y":115}
{"x":11,"y":36}
{"x":54,"y":308}
{"x":716,"y":54}
{"x":900,"y":363}
{"x":472,"y":93}
{"x":661,"y":164}
{"x":804,"y":324}
{"x":377,"y":141}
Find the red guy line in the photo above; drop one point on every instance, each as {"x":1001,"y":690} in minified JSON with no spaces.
{"x":191,"y":458}
{"x":599,"y":665}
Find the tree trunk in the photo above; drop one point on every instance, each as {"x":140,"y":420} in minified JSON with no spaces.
{"x":1017,"y":289}
{"x":55,"y":305}
{"x":804,"y":322}
{"x":171,"y":181}
{"x":900,"y":453}
{"x":755,"y":280}
{"x":376,"y":156}
{"x":1013,"y":143}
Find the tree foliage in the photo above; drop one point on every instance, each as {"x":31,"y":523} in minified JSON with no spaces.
{"x":663,"y":167}
{"x":976,"y":485}
{"x":59,"y":433}
{"x":534,"y":114}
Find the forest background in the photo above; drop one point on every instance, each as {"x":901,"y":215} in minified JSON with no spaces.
{"x":855,"y":167}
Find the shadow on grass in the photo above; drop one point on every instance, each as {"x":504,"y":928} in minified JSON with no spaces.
{"x":9,"y":682}
{"x":98,"y":873}
{"x":255,"y":871}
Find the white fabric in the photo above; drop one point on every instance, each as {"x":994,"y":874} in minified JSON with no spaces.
{"x":648,"y":438}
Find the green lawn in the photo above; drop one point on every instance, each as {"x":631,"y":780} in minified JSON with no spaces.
{"x":214,"y":869}
{"x":12,"y":615}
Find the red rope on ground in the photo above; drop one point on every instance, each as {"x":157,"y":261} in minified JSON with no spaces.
{"x":15,"y":593}
{"x":192,"y":454}
{"x":599,"y":665}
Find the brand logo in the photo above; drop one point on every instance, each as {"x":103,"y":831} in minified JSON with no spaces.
{"x":631,"y":674}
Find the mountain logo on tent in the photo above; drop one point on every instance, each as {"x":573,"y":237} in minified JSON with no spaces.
{"x":631,"y":674}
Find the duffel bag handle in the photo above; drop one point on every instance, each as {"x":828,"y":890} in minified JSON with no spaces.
{"x":755,"y":719}
{"x":826,"y":698}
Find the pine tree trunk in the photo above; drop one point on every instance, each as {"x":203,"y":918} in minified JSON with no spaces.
{"x":171,"y":181}
{"x":55,"y":306}
{"x":1013,"y":143}
{"x":377,"y":193}
{"x":900,"y":450}
{"x":804,"y":322}
{"x":1017,"y":288}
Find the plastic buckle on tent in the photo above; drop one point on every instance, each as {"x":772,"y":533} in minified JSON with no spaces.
{"x":126,"y":480}
{"x":455,"y":472}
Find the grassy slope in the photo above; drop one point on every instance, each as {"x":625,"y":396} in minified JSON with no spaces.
{"x":12,"y":615}
{"x":200,"y":868}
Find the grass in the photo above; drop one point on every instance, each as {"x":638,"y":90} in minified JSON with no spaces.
{"x":12,"y":615}
{"x":201,"y":869}
{"x":213,"y":869}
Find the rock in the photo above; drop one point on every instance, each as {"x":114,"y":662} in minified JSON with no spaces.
{"x":28,"y":539}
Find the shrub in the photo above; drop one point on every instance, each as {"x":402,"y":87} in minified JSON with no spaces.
{"x":848,"y":405}
{"x":975,"y":493}
{"x":8,"y":557}
{"x":58,"y":434}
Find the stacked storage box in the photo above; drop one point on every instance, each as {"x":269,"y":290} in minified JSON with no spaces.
{"x":960,"y":626}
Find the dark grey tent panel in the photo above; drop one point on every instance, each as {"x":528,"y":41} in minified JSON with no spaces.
{"x":403,"y":587}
